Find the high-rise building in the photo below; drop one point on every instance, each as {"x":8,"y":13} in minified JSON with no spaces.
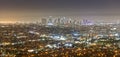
{"x":43,"y":21}
{"x":59,"y":21}
{"x":86,"y":22}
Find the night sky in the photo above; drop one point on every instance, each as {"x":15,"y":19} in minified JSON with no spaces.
{"x":61,"y":7}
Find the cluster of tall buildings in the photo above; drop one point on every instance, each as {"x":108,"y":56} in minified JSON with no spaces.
{"x":65,"y":21}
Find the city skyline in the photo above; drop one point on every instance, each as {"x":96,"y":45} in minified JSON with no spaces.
{"x":91,"y":8}
{"x":30,"y":19}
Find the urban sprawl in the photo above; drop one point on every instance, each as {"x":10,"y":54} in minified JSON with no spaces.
{"x":60,"y":37}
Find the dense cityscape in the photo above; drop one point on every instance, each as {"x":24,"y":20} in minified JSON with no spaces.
{"x":60,"y":37}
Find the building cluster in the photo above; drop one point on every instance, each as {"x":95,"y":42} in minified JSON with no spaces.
{"x":64,"y":21}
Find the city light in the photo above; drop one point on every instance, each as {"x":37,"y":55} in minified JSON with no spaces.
{"x":60,"y":28}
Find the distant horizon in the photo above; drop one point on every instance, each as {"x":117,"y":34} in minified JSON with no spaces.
{"x":98,"y":19}
{"x":105,"y":10}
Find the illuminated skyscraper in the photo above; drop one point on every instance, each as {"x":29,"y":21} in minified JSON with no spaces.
{"x":86,"y":22}
{"x":43,"y":21}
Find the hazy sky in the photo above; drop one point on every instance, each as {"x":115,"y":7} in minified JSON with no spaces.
{"x":60,"y":7}
{"x":67,"y":7}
